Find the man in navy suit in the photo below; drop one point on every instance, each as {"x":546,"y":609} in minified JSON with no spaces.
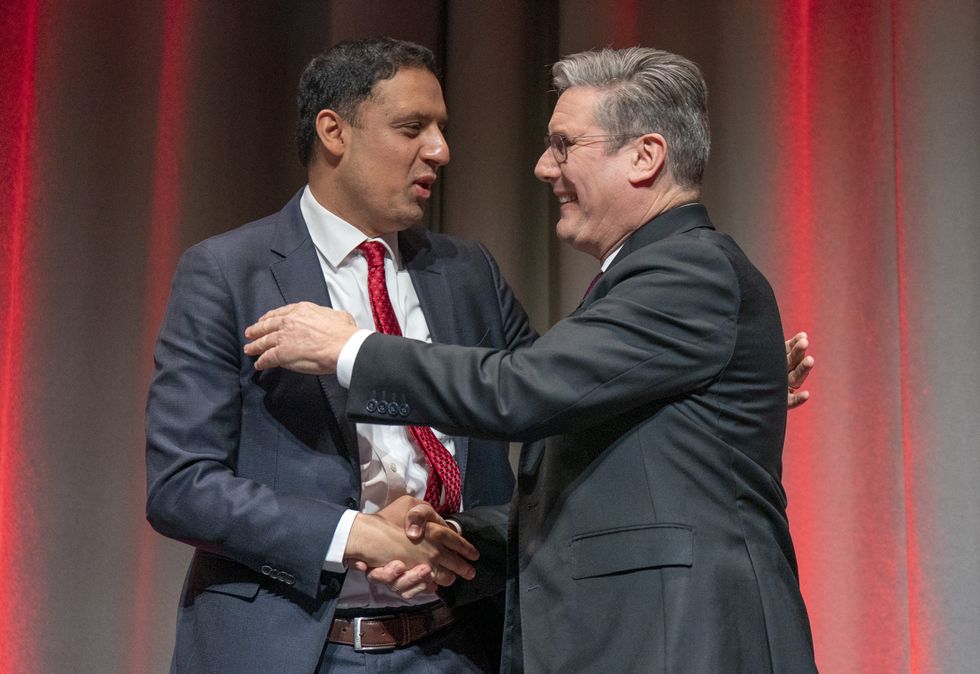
{"x":648,"y":532}
{"x":262,"y":472}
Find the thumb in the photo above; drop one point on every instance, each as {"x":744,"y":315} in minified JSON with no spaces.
{"x":416,"y":518}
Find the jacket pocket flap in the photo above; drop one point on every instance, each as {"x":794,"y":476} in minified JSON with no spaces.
{"x":601,"y":553}
{"x":211,"y":573}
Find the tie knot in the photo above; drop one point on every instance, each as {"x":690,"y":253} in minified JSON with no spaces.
{"x":373,"y":252}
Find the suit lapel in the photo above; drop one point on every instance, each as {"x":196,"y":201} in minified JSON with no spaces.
{"x":677,"y":220}
{"x":433,"y":285}
{"x":299,"y":276}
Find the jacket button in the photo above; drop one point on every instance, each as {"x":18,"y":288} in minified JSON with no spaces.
{"x":289,"y":579}
{"x":404,"y":409}
{"x":371,"y":405}
{"x":332,"y":587}
{"x":266,"y":569}
{"x":351,"y":504}
{"x":392,"y":409}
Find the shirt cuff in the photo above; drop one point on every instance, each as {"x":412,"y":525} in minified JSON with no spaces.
{"x":457,"y":527}
{"x":348,"y":354}
{"x":338,"y":545}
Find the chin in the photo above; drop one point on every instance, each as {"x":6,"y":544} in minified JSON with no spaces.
{"x":567,"y":233}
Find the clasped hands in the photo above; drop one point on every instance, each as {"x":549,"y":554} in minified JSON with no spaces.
{"x":408,"y":547}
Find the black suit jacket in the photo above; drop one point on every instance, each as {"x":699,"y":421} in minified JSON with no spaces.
{"x":649,"y":531}
{"x":255,"y":469}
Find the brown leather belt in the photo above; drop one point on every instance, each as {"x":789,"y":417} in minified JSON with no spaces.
{"x":385,"y":632}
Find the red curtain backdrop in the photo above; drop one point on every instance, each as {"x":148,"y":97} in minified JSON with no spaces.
{"x":844,"y":161}
{"x":20,"y":598}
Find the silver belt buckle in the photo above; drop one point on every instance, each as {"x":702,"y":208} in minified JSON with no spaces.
{"x":361,"y":648}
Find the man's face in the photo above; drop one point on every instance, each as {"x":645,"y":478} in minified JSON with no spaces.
{"x":393,"y":154}
{"x":591,"y":184}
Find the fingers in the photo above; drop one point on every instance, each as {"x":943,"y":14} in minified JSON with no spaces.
{"x":798,"y":374}
{"x":262,"y":327}
{"x":444,"y":578}
{"x":454,"y":564}
{"x":267,"y":351}
{"x":797,"y":399}
{"x":277,"y":313}
{"x":792,"y":341}
{"x":264,"y":336}
{"x":454,"y":554}
{"x":798,"y":366}
{"x":406,"y":584}
{"x":796,"y":347}
{"x":447,"y":538}
{"x":416,"y":519}
{"x":417,"y":580}
{"x":387,"y":574}
{"x":302,"y":337}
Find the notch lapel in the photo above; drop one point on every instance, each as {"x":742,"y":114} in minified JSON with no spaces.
{"x":300,"y":279}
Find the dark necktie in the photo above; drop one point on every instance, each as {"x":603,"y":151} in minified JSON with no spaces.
{"x":595,"y":279}
{"x":443,"y":473}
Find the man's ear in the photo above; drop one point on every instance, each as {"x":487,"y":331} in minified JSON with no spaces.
{"x":331,"y":130}
{"x":649,"y":159}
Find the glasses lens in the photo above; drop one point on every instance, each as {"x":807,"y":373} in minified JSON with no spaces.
{"x":557,"y":143}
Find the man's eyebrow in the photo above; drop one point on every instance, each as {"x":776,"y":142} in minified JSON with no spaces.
{"x":413,"y":115}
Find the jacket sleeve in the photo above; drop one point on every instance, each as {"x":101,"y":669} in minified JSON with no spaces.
{"x":486,"y":528}
{"x":664,"y":327}
{"x":194,"y":418}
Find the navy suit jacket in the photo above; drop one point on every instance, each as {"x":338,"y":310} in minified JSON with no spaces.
{"x":254,"y":469}
{"x":648,"y":531}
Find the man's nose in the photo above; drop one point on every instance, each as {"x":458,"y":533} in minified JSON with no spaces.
{"x":546,"y":169}
{"x":436,"y":150}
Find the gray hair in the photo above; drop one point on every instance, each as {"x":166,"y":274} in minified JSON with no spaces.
{"x":647,"y":91}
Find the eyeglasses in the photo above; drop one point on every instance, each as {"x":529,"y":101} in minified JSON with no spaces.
{"x":559,"y":143}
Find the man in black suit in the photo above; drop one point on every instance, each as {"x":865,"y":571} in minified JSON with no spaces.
{"x":263,"y":472}
{"x":649,"y":531}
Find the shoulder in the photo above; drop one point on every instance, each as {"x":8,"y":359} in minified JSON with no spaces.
{"x":432,"y":249}
{"x":436,"y":243}
{"x":250,"y":235}
{"x":700,"y":256}
{"x":247,"y":244}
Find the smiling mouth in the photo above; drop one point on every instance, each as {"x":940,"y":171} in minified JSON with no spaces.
{"x":566,"y":198}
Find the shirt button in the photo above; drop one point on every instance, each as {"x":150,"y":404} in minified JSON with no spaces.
{"x":393,"y":467}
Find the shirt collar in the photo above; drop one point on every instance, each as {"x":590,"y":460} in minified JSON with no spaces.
{"x":334,"y":237}
{"x":609,"y":258}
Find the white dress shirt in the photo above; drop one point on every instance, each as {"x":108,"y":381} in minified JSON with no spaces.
{"x":391,"y":464}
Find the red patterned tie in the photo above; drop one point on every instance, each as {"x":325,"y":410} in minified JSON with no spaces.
{"x":445,"y":472}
